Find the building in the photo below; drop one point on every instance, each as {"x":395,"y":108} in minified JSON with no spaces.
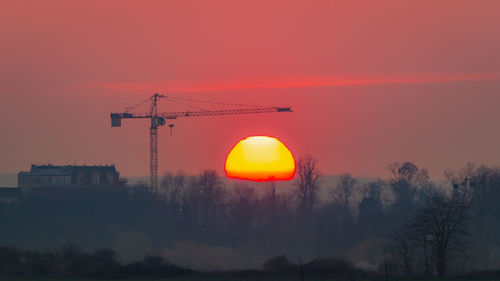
{"x":9,"y":195}
{"x":41,"y":176}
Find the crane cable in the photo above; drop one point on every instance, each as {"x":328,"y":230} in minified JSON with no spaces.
{"x":176,"y":100}
{"x":213,"y":102}
{"x":185,"y":104}
{"x":129,"y":108}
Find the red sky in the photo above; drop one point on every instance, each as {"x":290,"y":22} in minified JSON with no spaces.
{"x":370,"y":82}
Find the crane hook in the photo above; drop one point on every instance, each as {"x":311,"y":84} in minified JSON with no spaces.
{"x":170,"y":126}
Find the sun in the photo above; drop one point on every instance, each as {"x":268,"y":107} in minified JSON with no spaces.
{"x":260,"y":158}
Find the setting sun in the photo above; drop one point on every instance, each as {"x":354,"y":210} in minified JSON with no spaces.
{"x":260,"y":158}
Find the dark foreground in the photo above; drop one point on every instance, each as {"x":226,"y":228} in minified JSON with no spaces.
{"x":70,"y":263}
{"x":201,"y":278}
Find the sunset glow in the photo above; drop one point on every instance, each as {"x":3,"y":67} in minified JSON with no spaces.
{"x":260,"y":158}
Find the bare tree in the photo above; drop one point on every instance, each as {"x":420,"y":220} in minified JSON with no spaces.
{"x":442,"y":224}
{"x":401,"y":250}
{"x":307,"y":185}
{"x":374,"y":189}
{"x":457,"y":176}
{"x":479,"y":185}
{"x":205,"y":198}
{"x":406,"y":178}
{"x":211,"y":189}
{"x":171,"y":188}
{"x":407,"y":172}
{"x":344,"y":191}
{"x":370,"y":208}
{"x":243,"y":206}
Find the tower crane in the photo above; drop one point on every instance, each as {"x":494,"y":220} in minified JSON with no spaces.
{"x":159,"y":119}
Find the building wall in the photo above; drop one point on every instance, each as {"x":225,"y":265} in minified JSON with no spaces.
{"x":29,"y":180}
{"x":68,"y":175}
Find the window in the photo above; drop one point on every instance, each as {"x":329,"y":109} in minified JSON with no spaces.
{"x":95,"y":179}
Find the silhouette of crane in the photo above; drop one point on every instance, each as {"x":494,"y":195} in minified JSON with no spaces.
{"x":159,"y":119}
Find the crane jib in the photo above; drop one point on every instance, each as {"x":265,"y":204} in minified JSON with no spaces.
{"x":116,"y":117}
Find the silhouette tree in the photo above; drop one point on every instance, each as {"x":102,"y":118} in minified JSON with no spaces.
{"x":172,"y":188}
{"x":480,"y":186}
{"x":401,"y":250}
{"x":406,"y":177}
{"x":243,"y":205}
{"x":370,"y":211}
{"x":442,"y":222}
{"x":344,"y":191}
{"x":205,"y":197}
{"x":212,"y":190}
{"x":307,"y":185}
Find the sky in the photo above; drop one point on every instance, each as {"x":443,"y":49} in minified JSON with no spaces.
{"x":370,"y":82}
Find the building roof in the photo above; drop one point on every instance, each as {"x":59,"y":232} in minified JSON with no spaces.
{"x":66,"y":170}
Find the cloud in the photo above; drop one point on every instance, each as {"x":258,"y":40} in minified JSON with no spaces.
{"x":290,"y":82}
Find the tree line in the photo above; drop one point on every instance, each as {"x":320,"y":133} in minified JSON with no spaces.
{"x":69,"y":261}
{"x":428,"y":228}
{"x":404,"y":224}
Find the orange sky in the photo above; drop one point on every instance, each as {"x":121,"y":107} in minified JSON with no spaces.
{"x":370,"y":82}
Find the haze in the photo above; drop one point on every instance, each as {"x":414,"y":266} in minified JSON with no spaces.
{"x":370,"y":82}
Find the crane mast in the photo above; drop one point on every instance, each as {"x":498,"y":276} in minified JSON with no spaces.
{"x":153,"y":141}
{"x":158,"y":119}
